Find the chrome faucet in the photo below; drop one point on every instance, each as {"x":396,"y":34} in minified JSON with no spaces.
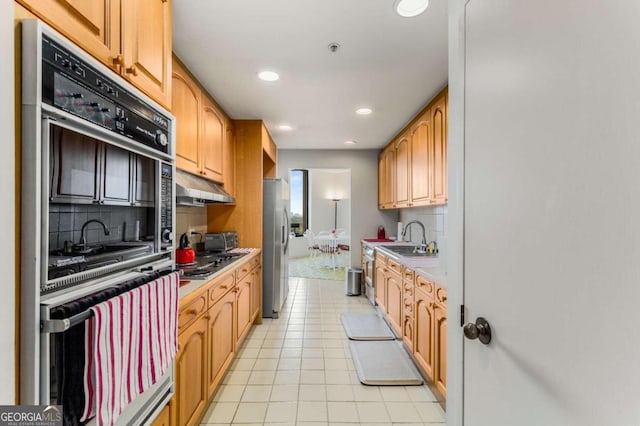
{"x":424,"y":237}
{"x":83,"y":240}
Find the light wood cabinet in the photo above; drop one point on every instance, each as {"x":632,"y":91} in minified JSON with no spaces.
{"x":386,"y":178}
{"x":164,"y":417}
{"x":191,"y":372}
{"x":402,"y":171}
{"x":419,"y":174}
{"x":440,"y":348}
{"x":421,"y":154}
{"x":243,"y":315}
{"x":423,"y":331}
{"x":146,"y":46}
{"x":407,"y":309}
{"x":131,"y":37}
{"x":229,"y":159}
{"x":393,"y":283}
{"x":213,"y":134}
{"x":256,"y":292}
{"x":380,"y":283}
{"x":438,"y":144}
{"x":204,"y":145}
{"x":220,"y":339}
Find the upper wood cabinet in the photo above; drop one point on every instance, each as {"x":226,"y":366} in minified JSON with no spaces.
{"x":403,"y":170}
{"x":386,"y":178}
{"x":213,"y":134}
{"x":132,"y":37}
{"x":420,"y":174}
{"x":421,"y":154}
{"x":204,"y":145}
{"x":146,"y":46}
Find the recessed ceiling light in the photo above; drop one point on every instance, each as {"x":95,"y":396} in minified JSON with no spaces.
{"x":350,"y":142}
{"x":364,"y":111}
{"x":268,"y":76}
{"x":285,"y":127}
{"x":410,"y":8}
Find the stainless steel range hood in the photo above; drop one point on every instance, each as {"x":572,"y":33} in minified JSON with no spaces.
{"x":194,"y":191}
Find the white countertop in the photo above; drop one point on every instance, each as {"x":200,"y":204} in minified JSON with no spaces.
{"x":427,"y":267}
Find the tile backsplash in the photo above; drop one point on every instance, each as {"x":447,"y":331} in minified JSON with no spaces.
{"x":435,"y":224}
{"x":66,"y":220}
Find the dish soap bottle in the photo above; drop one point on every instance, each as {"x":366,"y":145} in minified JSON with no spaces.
{"x":381,"y":233}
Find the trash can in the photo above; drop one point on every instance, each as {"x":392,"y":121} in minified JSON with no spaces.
{"x":353,"y":281}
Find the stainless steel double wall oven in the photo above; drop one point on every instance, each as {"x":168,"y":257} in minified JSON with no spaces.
{"x":98,"y":206}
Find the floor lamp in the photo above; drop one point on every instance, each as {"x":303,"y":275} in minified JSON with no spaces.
{"x":335,"y":212}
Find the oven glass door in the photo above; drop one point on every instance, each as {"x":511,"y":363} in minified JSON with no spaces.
{"x":104,"y":205}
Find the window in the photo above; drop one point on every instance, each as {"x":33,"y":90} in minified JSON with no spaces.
{"x":299,"y":201}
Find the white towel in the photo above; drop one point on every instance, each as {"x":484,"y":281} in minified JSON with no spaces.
{"x":130,"y":342}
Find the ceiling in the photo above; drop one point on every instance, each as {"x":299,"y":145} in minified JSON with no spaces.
{"x":390,"y":64}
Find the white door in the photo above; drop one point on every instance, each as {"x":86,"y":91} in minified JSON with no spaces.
{"x":552,"y":211}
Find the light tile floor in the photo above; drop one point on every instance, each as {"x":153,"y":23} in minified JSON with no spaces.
{"x":297,"y":370}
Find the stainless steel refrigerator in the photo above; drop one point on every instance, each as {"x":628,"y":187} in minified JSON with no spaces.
{"x":275,"y":246}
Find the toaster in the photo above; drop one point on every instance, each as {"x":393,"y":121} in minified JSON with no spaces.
{"x":221,"y":241}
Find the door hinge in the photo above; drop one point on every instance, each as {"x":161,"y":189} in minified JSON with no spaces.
{"x":461,"y":315}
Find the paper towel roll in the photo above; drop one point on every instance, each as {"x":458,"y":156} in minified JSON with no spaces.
{"x":400,"y":227}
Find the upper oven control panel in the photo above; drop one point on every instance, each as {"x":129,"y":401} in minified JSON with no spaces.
{"x":72,"y":85}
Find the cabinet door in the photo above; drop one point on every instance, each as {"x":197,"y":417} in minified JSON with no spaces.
{"x":243,"y":301}
{"x":407,"y":332}
{"x":220,"y":339}
{"x":146,"y":46}
{"x":439,"y":144}
{"x":144,"y":181}
{"x":381,"y":182}
{"x":185,"y":106}
{"x":229,"y":159}
{"x":191,"y":372}
{"x":394,"y":302}
{"x":116,"y":172}
{"x":423,"y":332}
{"x":74,"y":169}
{"x":380,"y":287}
{"x":163,"y":418}
{"x":256,"y":286}
{"x":403,"y":170}
{"x":211,"y":142}
{"x":421,"y":161}
{"x":93,"y":25}
{"x":440,"y":348}
{"x":390,"y":172}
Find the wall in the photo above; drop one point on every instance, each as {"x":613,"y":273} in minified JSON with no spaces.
{"x":190,"y":219}
{"x":325,"y":184}
{"x":435,"y":223}
{"x":365,"y":216}
{"x":7,"y":213}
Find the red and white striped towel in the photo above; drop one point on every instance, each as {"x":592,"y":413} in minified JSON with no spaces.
{"x":130,"y":341}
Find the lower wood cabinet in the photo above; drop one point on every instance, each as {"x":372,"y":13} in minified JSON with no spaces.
{"x":393,"y":283}
{"x":164,"y":417}
{"x":440,"y":348}
{"x":423,"y":331}
{"x":220,"y":340}
{"x":243,"y":302}
{"x":208,"y":339}
{"x":191,"y":372}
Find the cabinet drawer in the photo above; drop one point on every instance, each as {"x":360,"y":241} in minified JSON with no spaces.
{"x":394,"y":266}
{"x":190,"y":312}
{"x":426,"y":286}
{"x":221,"y":286}
{"x":242,"y":271}
{"x":381,"y":259}
{"x":254,"y":261}
{"x":408,"y":275}
{"x":441,"y":296}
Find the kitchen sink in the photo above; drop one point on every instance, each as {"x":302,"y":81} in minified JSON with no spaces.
{"x":407,"y":251}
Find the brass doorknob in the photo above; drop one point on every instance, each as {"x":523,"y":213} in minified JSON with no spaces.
{"x":480,"y":330}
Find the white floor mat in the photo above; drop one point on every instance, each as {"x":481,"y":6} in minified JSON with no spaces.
{"x":366,"y":326}
{"x":384,"y":363}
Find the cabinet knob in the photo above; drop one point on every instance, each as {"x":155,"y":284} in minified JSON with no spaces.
{"x":118,"y":60}
{"x":132,"y":70}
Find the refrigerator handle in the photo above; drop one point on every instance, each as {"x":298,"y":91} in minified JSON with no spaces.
{"x":285,"y":231}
